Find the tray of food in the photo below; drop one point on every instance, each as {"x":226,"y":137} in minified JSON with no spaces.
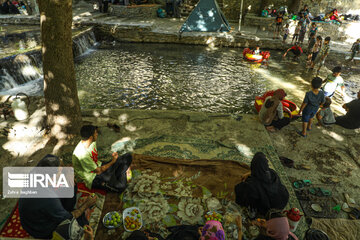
{"x":213,"y":215}
{"x":132,"y":219}
{"x":112,"y":220}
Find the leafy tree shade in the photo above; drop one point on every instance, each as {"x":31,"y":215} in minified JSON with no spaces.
{"x":60,"y":91}
{"x":264,"y":4}
{"x":294,"y":5}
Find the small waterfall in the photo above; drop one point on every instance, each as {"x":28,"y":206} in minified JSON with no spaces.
{"x":83,"y":42}
{"x":9,"y":82}
{"x":17,"y":70}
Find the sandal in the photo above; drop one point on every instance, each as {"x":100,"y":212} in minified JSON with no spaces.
{"x":350,"y":202}
{"x":114,"y":127}
{"x":345,"y":207}
{"x":330,"y":180}
{"x":303,"y":167}
{"x":287,"y":162}
{"x":320,"y":192}
{"x":354,"y":214}
{"x":301,"y":183}
{"x":301,"y":134}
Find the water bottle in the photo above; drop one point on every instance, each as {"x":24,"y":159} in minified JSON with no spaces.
{"x":20,"y":109}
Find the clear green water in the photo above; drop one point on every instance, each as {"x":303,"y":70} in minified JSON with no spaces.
{"x":173,"y":77}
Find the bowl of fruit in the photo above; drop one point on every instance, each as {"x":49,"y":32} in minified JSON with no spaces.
{"x":112,"y":220}
{"x":132,"y":219}
{"x":212,"y":215}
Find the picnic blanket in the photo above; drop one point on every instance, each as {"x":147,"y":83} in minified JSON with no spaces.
{"x":171,"y":192}
{"x":13,"y":229}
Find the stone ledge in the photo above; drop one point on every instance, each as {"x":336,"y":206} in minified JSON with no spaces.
{"x":138,"y":11}
{"x":19,"y":19}
{"x":145,"y":34}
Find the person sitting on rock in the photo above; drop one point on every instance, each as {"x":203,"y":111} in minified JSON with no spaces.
{"x":110,"y":176}
{"x":41,"y":216}
{"x":351,"y":120}
{"x":296,"y":50}
{"x":262,"y":189}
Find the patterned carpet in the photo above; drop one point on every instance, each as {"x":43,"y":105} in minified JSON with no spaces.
{"x":192,"y":148}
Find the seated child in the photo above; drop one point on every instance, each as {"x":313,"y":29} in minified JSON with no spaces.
{"x":296,"y":50}
{"x":333,"y":15}
{"x":325,"y":116}
{"x":312,"y":101}
{"x":276,"y":226}
{"x":256,"y":51}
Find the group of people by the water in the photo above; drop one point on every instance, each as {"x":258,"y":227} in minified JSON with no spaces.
{"x":317,"y":102}
{"x":317,"y":48}
{"x":260,"y":191}
{"x":271,"y":112}
{"x":12,"y":7}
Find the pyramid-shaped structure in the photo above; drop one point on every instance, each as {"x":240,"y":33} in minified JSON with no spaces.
{"x":206,"y":17}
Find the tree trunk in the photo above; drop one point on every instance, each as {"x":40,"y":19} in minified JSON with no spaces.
{"x":294,"y":6}
{"x":264,"y":4}
{"x":61,"y":99}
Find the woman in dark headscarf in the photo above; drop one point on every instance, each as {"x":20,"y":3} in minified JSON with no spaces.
{"x":262,"y":190}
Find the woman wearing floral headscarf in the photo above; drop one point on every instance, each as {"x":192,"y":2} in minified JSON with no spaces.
{"x":212,"y":230}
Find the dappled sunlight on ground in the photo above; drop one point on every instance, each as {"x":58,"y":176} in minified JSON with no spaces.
{"x":353,"y":30}
{"x":244,"y":150}
{"x":334,"y":135}
{"x":25,"y":138}
{"x":294,"y":93}
{"x":123,"y":118}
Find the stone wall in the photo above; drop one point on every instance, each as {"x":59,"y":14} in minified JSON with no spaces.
{"x":133,"y":33}
{"x":138,"y":11}
{"x":21,"y":20}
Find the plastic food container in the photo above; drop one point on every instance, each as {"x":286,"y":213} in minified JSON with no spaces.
{"x":112,"y":216}
{"x":132,"y":219}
